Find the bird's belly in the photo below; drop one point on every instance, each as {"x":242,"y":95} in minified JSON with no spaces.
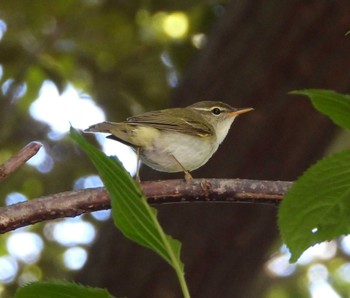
{"x":190,"y":151}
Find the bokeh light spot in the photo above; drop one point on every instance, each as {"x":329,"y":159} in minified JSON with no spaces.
{"x":345,"y":244}
{"x":125,"y":154}
{"x":42,"y":161}
{"x":71,"y":232}
{"x":279,"y":266}
{"x":321,"y":251}
{"x":199,"y":40}
{"x":322,"y":289}
{"x":75,"y":257}
{"x":9,"y":268}
{"x":3,"y":28}
{"x":25,"y":246}
{"x":101,"y":215}
{"x":344,"y":272}
{"x":175,"y":25}
{"x":317,"y":272}
{"x":14,"y":198}
{"x":90,"y":181}
{"x":13,"y":89}
{"x":59,"y":111}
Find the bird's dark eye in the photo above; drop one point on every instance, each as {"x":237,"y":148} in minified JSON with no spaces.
{"x":216,"y":111}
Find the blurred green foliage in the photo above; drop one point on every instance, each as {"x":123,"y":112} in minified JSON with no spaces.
{"x":117,"y":52}
{"x":120,"y":54}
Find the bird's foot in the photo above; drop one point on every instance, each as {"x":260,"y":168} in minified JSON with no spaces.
{"x":188,"y":176}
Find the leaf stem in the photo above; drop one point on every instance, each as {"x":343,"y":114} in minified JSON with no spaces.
{"x":182,"y":281}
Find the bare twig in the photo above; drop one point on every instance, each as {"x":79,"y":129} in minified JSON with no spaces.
{"x":19,"y":159}
{"x":74,"y":203}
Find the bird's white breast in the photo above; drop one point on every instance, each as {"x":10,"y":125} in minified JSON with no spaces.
{"x":191,"y":151}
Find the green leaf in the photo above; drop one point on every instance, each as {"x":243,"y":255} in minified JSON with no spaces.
{"x":131,"y":213}
{"x":335,"y":105}
{"x":317,"y":207}
{"x":60,"y":289}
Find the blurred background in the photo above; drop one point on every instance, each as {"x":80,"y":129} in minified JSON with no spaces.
{"x":82,"y":62}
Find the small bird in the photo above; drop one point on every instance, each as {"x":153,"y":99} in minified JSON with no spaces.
{"x":176,"y":139}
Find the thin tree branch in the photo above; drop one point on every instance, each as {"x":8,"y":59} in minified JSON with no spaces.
{"x":74,"y":203}
{"x":19,"y":159}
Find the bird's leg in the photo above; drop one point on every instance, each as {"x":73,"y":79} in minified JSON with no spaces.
{"x":138,"y":165}
{"x":188,"y":176}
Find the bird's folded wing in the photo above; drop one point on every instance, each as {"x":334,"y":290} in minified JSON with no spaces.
{"x":173,"y":122}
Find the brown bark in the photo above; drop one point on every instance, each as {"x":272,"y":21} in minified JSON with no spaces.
{"x":77,"y":202}
{"x":20,"y":158}
{"x":258,"y":52}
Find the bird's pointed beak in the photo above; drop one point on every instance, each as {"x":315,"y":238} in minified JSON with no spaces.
{"x":240,"y":111}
